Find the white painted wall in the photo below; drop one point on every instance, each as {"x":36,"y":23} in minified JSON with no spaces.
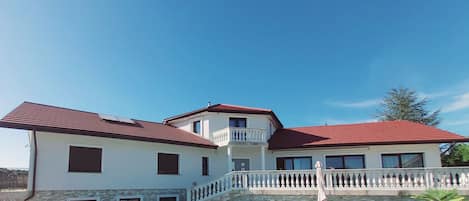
{"x":130,"y":164}
{"x":187,"y":124}
{"x":431,"y":153}
{"x":125,"y":164}
{"x":213,"y":121}
{"x":220,"y":121}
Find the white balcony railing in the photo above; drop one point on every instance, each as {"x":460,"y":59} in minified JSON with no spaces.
{"x":387,"y":180}
{"x":239,"y":135}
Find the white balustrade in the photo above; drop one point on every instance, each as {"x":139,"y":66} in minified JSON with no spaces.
{"x":398,"y":178}
{"x":239,"y":135}
{"x":259,"y":180}
{"x":221,"y":137}
{"x":354,"y":180}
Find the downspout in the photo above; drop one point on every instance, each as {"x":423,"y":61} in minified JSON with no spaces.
{"x":33,"y":189}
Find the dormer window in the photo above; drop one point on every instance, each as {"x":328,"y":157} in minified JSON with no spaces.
{"x":238,"y":122}
{"x":196,"y":127}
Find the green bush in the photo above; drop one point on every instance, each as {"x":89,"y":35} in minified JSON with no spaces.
{"x":439,"y":195}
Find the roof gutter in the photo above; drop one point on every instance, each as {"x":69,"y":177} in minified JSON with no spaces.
{"x":33,"y":183}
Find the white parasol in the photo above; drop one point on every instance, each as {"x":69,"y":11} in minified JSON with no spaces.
{"x":320,"y":180}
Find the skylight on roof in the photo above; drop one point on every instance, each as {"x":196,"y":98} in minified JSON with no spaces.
{"x":113,"y":118}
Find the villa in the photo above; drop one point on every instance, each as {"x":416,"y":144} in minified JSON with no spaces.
{"x":224,"y":150}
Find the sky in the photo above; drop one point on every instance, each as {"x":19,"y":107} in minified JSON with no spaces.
{"x":312,"y":62}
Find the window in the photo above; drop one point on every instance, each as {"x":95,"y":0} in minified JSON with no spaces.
{"x":196,"y":127}
{"x":168,"y":198}
{"x":294,"y":163}
{"x":168,"y":163}
{"x":407,"y":160}
{"x":205,"y":166}
{"x":83,"y":199}
{"x":238,"y":122}
{"x":84,"y":159}
{"x":130,"y":199}
{"x":346,"y":162}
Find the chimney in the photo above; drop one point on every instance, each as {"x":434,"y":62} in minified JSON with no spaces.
{"x":209,"y":104}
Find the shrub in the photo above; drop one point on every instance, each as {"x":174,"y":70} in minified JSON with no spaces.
{"x":439,"y":195}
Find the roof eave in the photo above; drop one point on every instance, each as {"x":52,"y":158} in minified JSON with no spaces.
{"x":208,"y":109}
{"x":6,"y":124}
{"x":172,"y":118}
{"x":372,"y":143}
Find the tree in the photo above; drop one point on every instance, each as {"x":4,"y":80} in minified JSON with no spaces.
{"x":404,"y":104}
{"x":457,"y":156}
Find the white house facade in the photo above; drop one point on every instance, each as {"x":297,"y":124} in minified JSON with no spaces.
{"x":77,"y":155}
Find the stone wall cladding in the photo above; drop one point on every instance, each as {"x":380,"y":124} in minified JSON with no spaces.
{"x":108,"y":195}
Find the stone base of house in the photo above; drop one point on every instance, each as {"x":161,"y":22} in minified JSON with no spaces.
{"x":109,"y":195}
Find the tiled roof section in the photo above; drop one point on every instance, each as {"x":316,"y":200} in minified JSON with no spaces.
{"x":33,"y":116}
{"x":228,"y":109}
{"x":377,"y":133}
{"x":237,"y":108}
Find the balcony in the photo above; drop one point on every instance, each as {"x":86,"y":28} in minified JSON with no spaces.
{"x":232,"y":135}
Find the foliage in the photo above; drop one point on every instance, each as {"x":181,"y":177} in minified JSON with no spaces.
{"x":404,"y":104}
{"x":458,"y":156}
{"x":439,"y":195}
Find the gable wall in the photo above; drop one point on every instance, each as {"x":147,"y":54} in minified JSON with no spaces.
{"x":214,"y":121}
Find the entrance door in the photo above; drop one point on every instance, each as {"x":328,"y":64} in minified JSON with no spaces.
{"x":240,"y":164}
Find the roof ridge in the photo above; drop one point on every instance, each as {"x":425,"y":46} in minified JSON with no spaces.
{"x":190,"y":112}
{"x":60,"y":107}
{"x":348,"y":124}
{"x":246,"y":107}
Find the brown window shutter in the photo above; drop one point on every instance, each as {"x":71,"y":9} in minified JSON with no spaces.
{"x":205,"y":166}
{"x":168,"y":163}
{"x":84,"y":159}
{"x":168,"y":199}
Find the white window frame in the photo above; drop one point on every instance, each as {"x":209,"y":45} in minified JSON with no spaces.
{"x":404,"y":152}
{"x":200,"y":126}
{"x":324,"y":165}
{"x":167,"y":196}
{"x":343,"y":155}
{"x":84,"y":198}
{"x":129,"y":197}
{"x":246,"y":158}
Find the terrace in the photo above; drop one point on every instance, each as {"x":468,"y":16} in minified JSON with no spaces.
{"x":383,"y":181}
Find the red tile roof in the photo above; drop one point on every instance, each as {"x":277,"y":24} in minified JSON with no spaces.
{"x":228,"y":109}
{"x":377,"y":133}
{"x":33,"y":116}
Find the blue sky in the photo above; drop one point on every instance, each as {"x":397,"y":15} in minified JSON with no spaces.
{"x":310,"y":61}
